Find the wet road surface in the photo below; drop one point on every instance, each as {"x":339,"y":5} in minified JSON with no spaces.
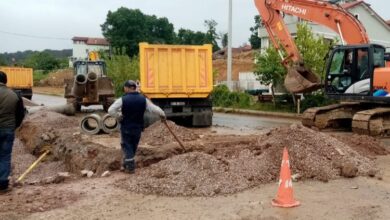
{"x":48,"y":100}
{"x":248,"y":122}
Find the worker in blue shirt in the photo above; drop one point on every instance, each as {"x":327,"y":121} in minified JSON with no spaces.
{"x":129,"y":110}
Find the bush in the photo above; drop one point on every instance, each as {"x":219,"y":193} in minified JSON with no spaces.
{"x":39,"y":75}
{"x":315,"y":100}
{"x":222,"y":97}
{"x":121,"y":68}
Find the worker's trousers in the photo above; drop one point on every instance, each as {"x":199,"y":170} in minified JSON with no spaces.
{"x":130,"y":139}
{"x":7,"y":137}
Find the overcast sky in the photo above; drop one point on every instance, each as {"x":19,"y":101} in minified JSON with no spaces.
{"x":67,"y":18}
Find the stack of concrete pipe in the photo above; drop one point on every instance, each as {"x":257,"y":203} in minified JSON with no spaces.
{"x":93,"y":124}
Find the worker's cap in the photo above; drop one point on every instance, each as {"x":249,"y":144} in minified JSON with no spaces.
{"x":130,"y":83}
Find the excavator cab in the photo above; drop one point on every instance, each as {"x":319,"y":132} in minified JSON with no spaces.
{"x":351,"y":71}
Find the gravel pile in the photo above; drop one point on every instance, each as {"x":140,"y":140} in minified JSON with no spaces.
{"x":158,"y":134}
{"x":229,"y":169}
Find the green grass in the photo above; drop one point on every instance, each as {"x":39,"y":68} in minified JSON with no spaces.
{"x":270,"y":107}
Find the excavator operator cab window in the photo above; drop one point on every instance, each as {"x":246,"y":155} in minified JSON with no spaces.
{"x":349,"y":72}
{"x":379,"y":57}
{"x":96,"y":68}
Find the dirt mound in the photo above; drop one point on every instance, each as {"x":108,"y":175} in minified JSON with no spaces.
{"x":56,"y":79}
{"x":70,"y":150}
{"x":73,"y":151}
{"x":233,"y":167}
{"x":41,"y":129}
{"x":158,"y":134}
{"x":239,"y":65}
{"x":22,"y":159}
{"x":365,"y":145}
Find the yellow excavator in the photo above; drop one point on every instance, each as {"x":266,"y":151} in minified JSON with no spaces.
{"x":356,"y":72}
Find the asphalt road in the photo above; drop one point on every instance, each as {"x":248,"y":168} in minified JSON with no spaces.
{"x":220,"y":120}
{"x":48,"y":100}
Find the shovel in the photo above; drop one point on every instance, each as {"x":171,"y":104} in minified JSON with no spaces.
{"x":174,"y":135}
{"x":19,"y":180}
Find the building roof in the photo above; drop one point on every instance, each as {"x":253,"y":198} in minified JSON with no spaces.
{"x":352,"y":4}
{"x":92,"y":41}
{"x":367,"y":6}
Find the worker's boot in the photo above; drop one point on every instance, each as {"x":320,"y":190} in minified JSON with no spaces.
{"x":4,"y":187}
{"x":129,"y":165}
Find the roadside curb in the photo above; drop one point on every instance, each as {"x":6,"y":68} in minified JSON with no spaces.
{"x":49,"y":94}
{"x":257,"y":113}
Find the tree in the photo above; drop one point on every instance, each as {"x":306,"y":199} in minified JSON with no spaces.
{"x":254,"y":39}
{"x":42,"y":61}
{"x":120,"y":68}
{"x":189,"y":37}
{"x":3,"y":61}
{"x":313,"y":49}
{"x":269,"y":68}
{"x":211,"y":34}
{"x":126,"y":28}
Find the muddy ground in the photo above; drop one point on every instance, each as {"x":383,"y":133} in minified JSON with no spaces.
{"x":216,"y":176}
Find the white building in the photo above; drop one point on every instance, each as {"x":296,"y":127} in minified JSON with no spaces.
{"x":248,"y":81}
{"x":83,"y":45}
{"x":378,"y":30}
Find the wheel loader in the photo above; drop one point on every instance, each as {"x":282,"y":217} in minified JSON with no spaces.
{"x":90,"y":85}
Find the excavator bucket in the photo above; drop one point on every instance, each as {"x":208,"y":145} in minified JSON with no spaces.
{"x":301,"y":80}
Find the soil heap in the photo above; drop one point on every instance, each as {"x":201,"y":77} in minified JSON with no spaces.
{"x":158,"y":134}
{"x":230,"y":168}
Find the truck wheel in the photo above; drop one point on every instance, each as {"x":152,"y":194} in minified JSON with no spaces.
{"x":203,"y":119}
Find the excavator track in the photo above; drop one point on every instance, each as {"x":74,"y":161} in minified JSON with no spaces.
{"x":372,"y":122}
{"x":331,"y":116}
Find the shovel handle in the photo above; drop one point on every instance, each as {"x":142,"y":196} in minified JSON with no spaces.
{"x":32,"y":166}
{"x":174,"y":135}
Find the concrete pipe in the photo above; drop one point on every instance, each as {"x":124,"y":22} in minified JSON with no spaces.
{"x":92,"y":86}
{"x":90,"y":124}
{"x":109,"y":124}
{"x":79,"y":85}
{"x":62,"y":109}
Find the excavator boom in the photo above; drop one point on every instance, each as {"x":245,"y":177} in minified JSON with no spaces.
{"x":300,"y":79}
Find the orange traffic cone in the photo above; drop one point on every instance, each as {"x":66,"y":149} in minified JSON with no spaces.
{"x":285,"y":196}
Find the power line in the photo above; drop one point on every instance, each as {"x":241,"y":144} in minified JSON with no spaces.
{"x":34,"y":36}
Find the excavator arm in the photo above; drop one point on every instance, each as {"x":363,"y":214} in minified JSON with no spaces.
{"x":351,"y":31}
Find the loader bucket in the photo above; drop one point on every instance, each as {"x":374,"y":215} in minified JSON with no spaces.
{"x":301,"y":80}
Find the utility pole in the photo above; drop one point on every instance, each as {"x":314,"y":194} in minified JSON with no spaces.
{"x":229,"y":61}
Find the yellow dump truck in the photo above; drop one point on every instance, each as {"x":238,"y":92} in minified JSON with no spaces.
{"x":179,"y":79}
{"x":20,"y":80}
